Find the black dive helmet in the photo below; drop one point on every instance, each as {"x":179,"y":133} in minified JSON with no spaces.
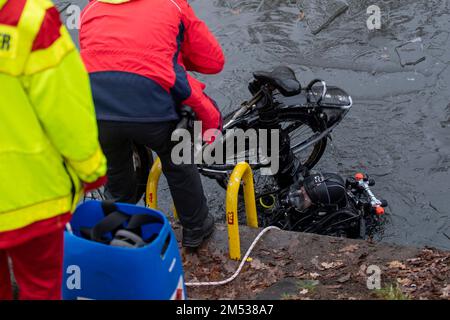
{"x":326,"y":190}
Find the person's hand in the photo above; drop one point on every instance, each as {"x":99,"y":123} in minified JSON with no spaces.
{"x":211,"y":132}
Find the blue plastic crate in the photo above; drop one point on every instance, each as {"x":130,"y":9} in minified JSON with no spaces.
{"x":93,"y":270}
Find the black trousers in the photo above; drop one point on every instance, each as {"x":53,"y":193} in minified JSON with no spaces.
{"x":116,"y":139}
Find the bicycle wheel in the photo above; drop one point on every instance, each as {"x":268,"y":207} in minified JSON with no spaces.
{"x":300,"y":128}
{"x":142,"y":161}
{"x":300,"y":125}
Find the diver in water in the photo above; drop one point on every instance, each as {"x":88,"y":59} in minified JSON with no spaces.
{"x":318,"y":189}
{"x":324,"y":203}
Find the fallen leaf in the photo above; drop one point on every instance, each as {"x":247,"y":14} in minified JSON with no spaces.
{"x":304,"y":291}
{"x":314,"y":275}
{"x":265,"y":252}
{"x":284,"y":263}
{"x":404,"y":282}
{"x":350,"y":248}
{"x":297,"y":273}
{"x":332,"y":265}
{"x":362,"y":270}
{"x":396,"y":265}
{"x":315,"y":262}
{"x":257,"y":264}
{"x":336,"y":286}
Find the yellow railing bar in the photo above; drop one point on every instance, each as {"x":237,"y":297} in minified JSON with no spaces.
{"x":241,"y":172}
{"x":151,"y":194}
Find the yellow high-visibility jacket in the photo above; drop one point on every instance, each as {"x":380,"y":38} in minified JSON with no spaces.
{"x":48,"y":131}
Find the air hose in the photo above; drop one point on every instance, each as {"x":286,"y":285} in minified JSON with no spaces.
{"x":239,"y":269}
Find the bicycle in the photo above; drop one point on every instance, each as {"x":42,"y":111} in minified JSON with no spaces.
{"x":305,"y":119}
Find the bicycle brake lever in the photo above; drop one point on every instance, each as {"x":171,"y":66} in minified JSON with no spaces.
{"x":187,"y":116}
{"x":183,"y":124}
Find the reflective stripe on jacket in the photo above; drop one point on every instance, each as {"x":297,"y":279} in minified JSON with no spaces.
{"x":153,"y":44}
{"x":48,"y":130}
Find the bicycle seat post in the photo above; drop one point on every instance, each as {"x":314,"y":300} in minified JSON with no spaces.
{"x":266,"y":109}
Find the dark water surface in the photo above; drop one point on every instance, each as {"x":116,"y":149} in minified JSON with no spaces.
{"x":399,"y":128}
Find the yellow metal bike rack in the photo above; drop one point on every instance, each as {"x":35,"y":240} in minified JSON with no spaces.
{"x":242,"y":171}
{"x":151,"y":194}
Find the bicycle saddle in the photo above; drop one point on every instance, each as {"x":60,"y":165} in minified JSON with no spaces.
{"x":282,"y":78}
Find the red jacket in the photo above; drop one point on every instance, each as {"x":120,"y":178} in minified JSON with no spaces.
{"x":149,"y":45}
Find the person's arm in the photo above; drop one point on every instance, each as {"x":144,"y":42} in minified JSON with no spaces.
{"x":58,"y":88}
{"x":201,"y":52}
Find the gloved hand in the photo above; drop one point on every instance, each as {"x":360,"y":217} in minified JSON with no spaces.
{"x":210,"y":134}
{"x":206,"y":110}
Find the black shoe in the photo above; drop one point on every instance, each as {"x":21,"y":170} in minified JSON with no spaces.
{"x":193,"y":238}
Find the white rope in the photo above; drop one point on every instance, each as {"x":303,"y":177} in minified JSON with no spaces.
{"x":244,"y":260}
